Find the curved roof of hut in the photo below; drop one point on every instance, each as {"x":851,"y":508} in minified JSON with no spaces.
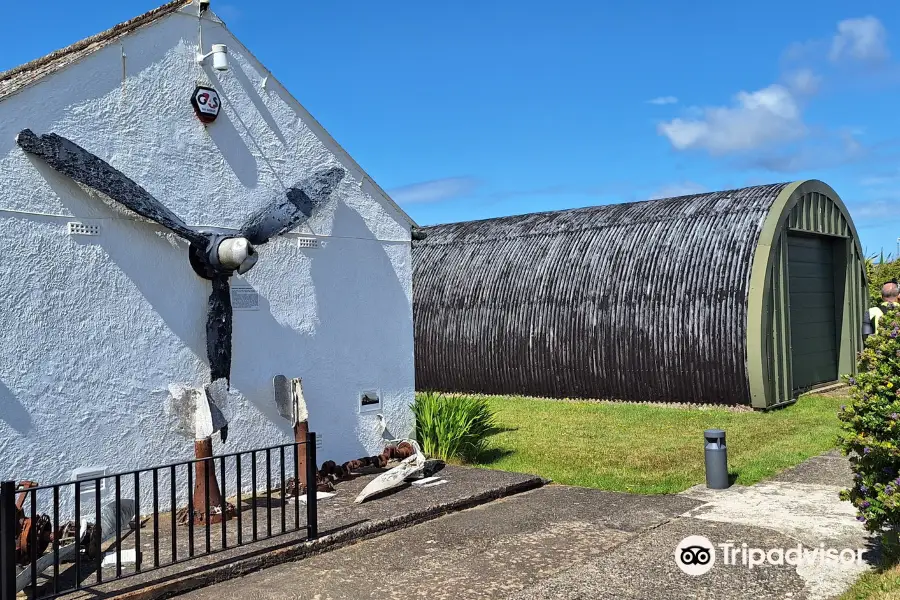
{"x":645,"y":300}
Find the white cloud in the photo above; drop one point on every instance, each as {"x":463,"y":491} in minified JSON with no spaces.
{"x":663,"y":100}
{"x":849,"y":145}
{"x":878,"y":180}
{"x":755,"y":120}
{"x":766,"y":128}
{"x":863,"y":39}
{"x":801,"y":52}
{"x":434,"y":191}
{"x":875,"y":210}
{"x":803,"y":81}
{"x":685,"y":188}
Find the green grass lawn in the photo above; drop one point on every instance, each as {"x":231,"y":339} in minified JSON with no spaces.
{"x":878,"y":585}
{"x":652,"y":449}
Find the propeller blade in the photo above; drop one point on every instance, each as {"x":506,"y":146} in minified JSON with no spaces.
{"x":70,"y":159}
{"x":295,"y":207}
{"x":218,"y":329}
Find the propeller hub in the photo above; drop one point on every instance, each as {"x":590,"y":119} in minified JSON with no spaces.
{"x":236,"y":254}
{"x":222,"y":255}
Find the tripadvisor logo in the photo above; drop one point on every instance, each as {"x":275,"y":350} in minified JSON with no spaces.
{"x":696,"y":555}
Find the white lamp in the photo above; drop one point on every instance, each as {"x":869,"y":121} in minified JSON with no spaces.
{"x":220,"y":57}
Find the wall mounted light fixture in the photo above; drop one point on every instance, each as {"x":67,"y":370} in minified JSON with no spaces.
{"x":219,"y":55}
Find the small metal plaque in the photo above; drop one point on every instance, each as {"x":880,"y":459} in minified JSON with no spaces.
{"x":244,"y":298}
{"x":369,"y":401}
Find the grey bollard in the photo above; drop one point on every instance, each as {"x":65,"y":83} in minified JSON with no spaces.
{"x":716,"y":459}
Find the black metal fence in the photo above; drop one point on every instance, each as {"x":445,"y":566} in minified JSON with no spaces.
{"x":172,"y":513}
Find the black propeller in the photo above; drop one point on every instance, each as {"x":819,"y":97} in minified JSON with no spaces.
{"x":215,"y":257}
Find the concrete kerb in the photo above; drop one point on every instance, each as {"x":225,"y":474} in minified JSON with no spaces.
{"x":280,"y":553}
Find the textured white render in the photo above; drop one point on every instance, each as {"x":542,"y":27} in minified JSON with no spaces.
{"x":96,"y":328}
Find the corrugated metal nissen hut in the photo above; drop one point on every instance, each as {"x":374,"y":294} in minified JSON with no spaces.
{"x":747,"y":296}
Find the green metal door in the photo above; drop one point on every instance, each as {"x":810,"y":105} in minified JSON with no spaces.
{"x":812,"y":310}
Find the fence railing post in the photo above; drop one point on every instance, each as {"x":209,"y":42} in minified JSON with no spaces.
{"x":8,"y":540}
{"x":312,"y":516}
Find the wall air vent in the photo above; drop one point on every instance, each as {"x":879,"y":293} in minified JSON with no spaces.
{"x":76,"y":228}
{"x":307,"y":242}
{"x":87,"y":478}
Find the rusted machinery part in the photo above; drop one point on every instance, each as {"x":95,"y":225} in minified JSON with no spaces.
{"x":323,"y":484}
{"x":66,"y":534}
{"x":331,"y":472}
{"x":33,"y":539}
{"x":22,"y":487}
{"x":335,"y":472}
{"x":184,"y":514}
{"x":32,"y":535}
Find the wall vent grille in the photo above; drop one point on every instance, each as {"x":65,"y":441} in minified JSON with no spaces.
{"x":88,"y":476}
{"x":76,"y":228}
{"x":306,"y":242}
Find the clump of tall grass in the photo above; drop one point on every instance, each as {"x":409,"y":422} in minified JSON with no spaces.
{"x":452,"y":427}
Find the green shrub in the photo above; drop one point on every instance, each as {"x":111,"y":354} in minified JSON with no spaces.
{"x":878,"y":273}
{"x":452,"y":427}
{"x":871,"y":430}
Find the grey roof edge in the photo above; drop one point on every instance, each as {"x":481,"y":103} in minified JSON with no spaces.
{"x":56,"y":60}
{"x":597,"y":207}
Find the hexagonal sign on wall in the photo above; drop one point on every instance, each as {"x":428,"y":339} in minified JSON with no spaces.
{"x":206,"y":103}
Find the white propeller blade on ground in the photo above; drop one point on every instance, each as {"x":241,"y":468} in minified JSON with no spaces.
{"x":396,"y":476}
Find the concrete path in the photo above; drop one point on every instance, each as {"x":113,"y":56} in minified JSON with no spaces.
{"x":802,"y":504}
{"x":340,"y":521}
{"x":561,"y":542}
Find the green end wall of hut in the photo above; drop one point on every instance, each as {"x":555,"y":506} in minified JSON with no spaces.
{"x":712,"y":298}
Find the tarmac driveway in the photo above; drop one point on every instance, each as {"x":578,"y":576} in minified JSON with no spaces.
{"x":575,"y":543}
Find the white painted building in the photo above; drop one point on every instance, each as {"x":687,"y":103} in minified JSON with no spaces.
{"x":96,"y":327}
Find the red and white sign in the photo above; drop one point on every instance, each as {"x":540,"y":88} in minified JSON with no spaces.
{"x":206,"y":103}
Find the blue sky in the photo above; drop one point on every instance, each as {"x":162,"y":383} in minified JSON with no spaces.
{"x":473,"y":109}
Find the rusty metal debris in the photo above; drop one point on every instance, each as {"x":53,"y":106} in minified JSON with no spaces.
{"x":206,"y":489}
{"x":331,"y":473}
{"x":183,"y":515}
{"x":32,"y":535}
{"x":292,"y":406}
{"x":411,"y":466}
{"x":323,"y":484}
{"x":92,"y":540}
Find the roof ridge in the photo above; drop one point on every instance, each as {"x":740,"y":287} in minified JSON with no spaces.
{"x":112,"y":32}
{"x":594,"y":207}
